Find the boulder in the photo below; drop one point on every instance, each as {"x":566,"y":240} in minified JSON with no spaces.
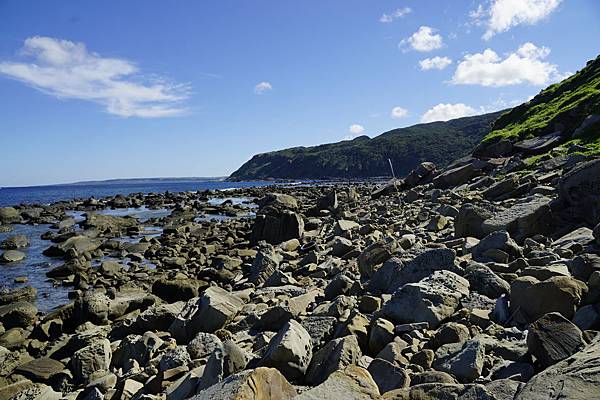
{"x":9,"y":215}
{"x":469,"y":221}
{"x":484,"y":281}
{"x":20,"y":314}
{"x":411,"y":268}
{"x":90,"y":359}
{"x":335,"y":355}
{"x":172,"y":290}
{"x":41,"y":369}
{"x":575,"y":378}
{"x":352,"y":382}
{"x":388,"y":376}
{"x":256,"y":384}
{"x":431,"y":300}
{"x":579,"y":191}
{"x":290,"y":351}
{"x":456,"y":176}
{"x":374,"y":255}
{"x":532,"y":298}
{"x":526,"y":218}
{"x":264,"y":265}
{"x":203,"y":345}
{"x":208,"y":313}
{"x":552,"y":338}
{"x":277,"y":226}
{"x":467,"y":364}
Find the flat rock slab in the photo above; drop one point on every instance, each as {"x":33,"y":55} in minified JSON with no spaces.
{"x":41,"y":368}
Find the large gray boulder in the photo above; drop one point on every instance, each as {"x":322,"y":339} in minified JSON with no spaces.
{"x":90,"y":359}
{"x":410,"y":268}
{"x":335,"y":355}
{"x":431,"y":300}
{"x":352,"y":382}
{"x":290,"y":351}
{"x":208,"y":313}
{"x":466,"y":364}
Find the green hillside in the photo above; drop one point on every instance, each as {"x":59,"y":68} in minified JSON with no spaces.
{"x":439,"y":142}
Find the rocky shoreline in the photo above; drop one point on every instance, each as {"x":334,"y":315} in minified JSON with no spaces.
{"x":480,"y":281}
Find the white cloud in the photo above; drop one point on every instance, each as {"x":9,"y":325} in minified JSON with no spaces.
{"x":526,"y":65}
{"x":398,"y":13}
{"x":262,"y":87}
{"x":356,"y":129}
{"x":399,"y":112}
{"x":445,"y":112}
{"x":424,"y":40}
{"x":435,"y":63}
{"x":67,"y":70}
{"x":505,"y":14}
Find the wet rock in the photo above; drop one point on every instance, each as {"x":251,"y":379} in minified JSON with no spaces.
{"x":11,"y":256}
{"x":27,"y":293}
{"x":290,"y":351}
{"x":15,"y":242}
{"x":9,"y":215}
{"x":431,"y":300}
{"x":552,"y":338}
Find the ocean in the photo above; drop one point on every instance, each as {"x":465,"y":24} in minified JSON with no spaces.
{"x":49,"y":194}
{"x":35,"y":266}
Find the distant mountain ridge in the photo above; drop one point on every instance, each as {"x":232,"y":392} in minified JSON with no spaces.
{"x":363,"y":157}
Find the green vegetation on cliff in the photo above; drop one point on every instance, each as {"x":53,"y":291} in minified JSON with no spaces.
{"x":562,"y":107}
{"x":439,"y":142}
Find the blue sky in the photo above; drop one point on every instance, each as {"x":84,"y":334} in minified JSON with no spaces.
{"x":117,"y":89}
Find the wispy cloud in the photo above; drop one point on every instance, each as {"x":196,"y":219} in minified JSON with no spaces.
{"x":262,"y":87}
{"x":525,"y":65}
{"x":424,"y":39}
{"x":67,"y":70}
{"x":397,"y":13}
{"x":502,"y":15}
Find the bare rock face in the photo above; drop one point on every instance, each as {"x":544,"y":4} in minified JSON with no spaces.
{"x":257,"y":384}
{"x":552,"y":338}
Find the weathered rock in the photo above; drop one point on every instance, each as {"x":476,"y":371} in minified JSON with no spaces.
{"x":484,"y":281}
{"x":139,"y":348}
{"x":579,"y":190}
{"x":264,"y":265}
{"x":290,"y":351}
{"x":526,"y":218}
{"x":558,"y":294}
{"x":388,"y":376}
{"x":552,"y":338}
{"x":277,"y":226}
{"x":352,"y":382}
{"x":575,"y":378}
{"x":208,"y":313}
{"x":499,"y":240}
{"x":334,"y":356}
{"x":256,"y":384}
{"x":90,"y":359}
{"x":203,"y":345}
{"x":456,"y":176}
{"x":9,"y":215}
{"x":411,"y":268}
{"x":41,"y":369}
{"x":469,"y":221}
{"x":467,"y":364}
{"x":375,"y":254}
{"x":20,"y":314}
{"x":432,"y":299}
{"x":172,"y":290}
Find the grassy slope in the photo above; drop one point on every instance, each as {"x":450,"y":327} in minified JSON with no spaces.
{"x":440,"y":142}
{"x":560,"y":107}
